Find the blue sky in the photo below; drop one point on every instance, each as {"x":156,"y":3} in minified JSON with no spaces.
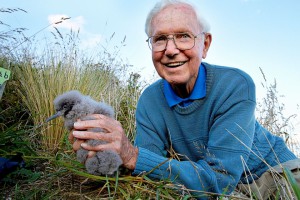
{"x":247,"y":34}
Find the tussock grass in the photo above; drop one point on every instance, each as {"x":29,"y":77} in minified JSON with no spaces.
{"x":38,"y":82}
{"x":39,"y":86}
{"x":52,"y":171}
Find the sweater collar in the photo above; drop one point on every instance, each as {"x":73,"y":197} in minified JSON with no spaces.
{"x":198,"y":92}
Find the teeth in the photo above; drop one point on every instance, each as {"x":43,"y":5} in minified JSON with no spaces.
{"x":175,"y":64}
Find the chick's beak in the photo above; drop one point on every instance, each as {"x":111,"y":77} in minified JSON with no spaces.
{"x":58,"y":114}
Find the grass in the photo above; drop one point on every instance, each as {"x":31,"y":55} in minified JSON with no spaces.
{"x":62,"y":177}
{"x":38,"y":88}
{"x":38,"y":81}
{"x":270,"y":113}
{"x":291,"y":180}
{"x":51,"y":169}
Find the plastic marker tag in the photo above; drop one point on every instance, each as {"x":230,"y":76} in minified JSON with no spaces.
{"x":4,"y":75}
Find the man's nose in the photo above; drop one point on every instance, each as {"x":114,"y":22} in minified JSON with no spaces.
{"x":171,"y":47}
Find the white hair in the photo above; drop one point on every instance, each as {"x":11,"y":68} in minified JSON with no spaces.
{"x":204,"y":25}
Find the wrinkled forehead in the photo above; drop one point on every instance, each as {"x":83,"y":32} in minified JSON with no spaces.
{"x":175,"y":18}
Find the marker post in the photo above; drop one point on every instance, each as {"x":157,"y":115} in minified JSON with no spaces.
{"x":4,"y":76}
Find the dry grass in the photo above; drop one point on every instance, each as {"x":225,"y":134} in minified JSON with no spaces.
{"x":40,"y":78}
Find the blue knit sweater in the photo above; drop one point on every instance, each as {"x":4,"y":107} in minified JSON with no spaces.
{"x":213,"y":143}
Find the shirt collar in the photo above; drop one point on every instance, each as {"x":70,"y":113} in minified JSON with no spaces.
{"x":199,"y":90}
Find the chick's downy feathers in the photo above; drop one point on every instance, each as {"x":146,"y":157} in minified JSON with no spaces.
{"x":72,"y":105}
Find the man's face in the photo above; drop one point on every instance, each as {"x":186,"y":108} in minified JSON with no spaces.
{"x":178,"y":67}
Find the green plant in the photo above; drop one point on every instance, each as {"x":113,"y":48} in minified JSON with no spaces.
{"x":288,"y":175}
{"x":38,"y":83}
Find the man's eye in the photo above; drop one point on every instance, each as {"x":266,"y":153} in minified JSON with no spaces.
{"x":183,"y":36}
{"x":160,"y":38}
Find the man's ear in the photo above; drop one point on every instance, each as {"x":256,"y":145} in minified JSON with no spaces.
{"x":207,"y":42}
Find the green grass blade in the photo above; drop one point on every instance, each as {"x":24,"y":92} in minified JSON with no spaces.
{"x":290,"y":178}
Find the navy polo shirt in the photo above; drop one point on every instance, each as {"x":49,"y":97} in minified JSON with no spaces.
{"x":199,"y":91}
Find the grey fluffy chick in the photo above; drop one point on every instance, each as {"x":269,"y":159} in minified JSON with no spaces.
{"x":73,"y":105}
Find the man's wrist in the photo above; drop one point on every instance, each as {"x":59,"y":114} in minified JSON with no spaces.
{"x":131,"y":162}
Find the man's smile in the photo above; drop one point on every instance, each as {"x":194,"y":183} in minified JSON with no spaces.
{"x":175,"y":64}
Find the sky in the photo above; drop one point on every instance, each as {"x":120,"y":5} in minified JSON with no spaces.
{"x":247,"y":34}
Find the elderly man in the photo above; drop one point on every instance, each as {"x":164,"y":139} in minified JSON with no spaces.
{"x":196,"y":125}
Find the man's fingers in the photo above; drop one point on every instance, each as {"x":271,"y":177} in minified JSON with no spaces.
{"x":86,"y":135}
{"x":91,"y":154}
{"x":70,"y":136}
{"x":101,"y":147}
{"x":77,"y":144}
{"x":98,"y":120}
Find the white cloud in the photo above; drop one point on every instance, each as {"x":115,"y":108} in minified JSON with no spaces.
{"x":64,"y":21}
{"x":91,"y":41}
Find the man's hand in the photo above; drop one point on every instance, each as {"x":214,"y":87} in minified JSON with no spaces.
{"x":114,"y":135}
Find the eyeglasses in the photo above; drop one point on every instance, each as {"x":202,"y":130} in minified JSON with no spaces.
{"x":182,"y":41}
